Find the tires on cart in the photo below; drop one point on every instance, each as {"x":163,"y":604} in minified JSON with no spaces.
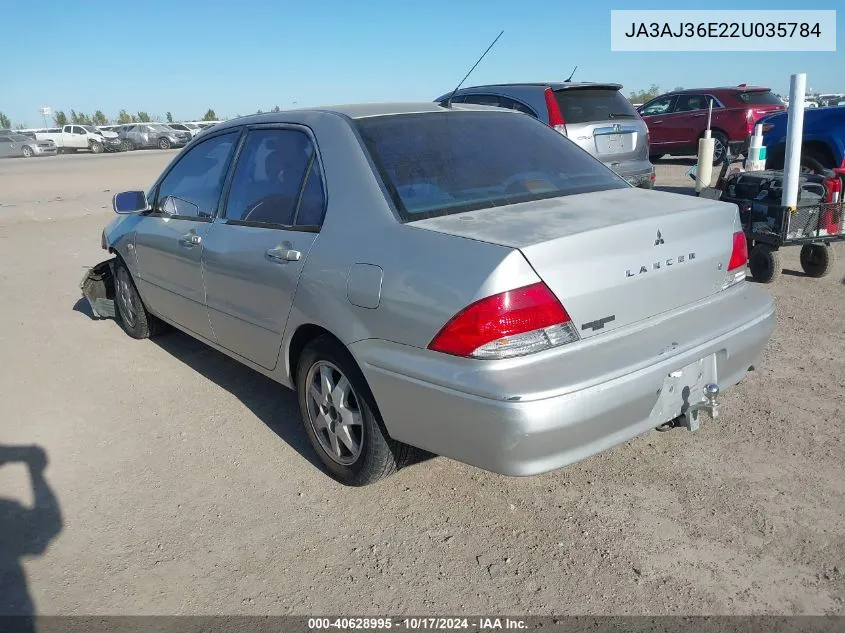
{"x":817,"y":259}
{"x":764,"y":263}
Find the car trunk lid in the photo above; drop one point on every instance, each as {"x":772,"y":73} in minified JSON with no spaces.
{"x":614,"y":257}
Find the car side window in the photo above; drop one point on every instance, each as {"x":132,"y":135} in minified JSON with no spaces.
{"x":5,"y":139}
{"x":192,"y":188}
{"x":658,"y":106}
{"x":277,"y":175}
{"x":513,"y":104}
{"x":77,"y":130}
{"x":690,"y":103}
{"x":488,"y":100}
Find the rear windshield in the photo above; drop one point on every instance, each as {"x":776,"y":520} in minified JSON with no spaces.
{"x":440,"y":163}
{"x":760,"y":97}
{"x":580,"y":105}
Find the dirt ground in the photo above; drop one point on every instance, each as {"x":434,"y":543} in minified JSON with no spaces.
{"x":186,"y":486}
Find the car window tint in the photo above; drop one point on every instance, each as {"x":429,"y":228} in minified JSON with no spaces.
{"x":658,"y":106}
{"x":488,"y":100}
{"x":437,"y":164}
{"x":593,"y":104}
{"x":759,"y":97}
{"x":192,"y":188}
{"x":5,"y":139}
{"x":312,"y":204}
{"x":513,"y":104}
{"x":689,"y":103}
{"x":269,"y":176}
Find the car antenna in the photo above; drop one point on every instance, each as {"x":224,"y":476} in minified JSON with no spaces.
{"x":458,"y":87}
{"x":570,"y":75}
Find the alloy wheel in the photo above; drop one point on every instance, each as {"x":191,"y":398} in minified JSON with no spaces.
{"x":334,"y":413}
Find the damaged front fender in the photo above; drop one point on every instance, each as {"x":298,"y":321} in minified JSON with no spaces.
{"x":98,"y":288}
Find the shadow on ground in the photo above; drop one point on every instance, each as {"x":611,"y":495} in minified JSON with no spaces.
{"x":25,"y":532}
{"x":275,"y":405}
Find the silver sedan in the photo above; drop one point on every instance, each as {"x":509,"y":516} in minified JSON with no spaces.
{"x":462,"y":280}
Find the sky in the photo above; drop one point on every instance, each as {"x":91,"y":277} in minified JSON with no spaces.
{"x":185,"y":56}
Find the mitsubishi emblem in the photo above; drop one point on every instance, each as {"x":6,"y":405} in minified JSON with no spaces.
{"x":659,"y":239}
{"x":617,"y":127}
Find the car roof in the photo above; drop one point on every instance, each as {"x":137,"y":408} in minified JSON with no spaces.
{"x":357,"y":111}
{"x":554,"y":85}
{"x":721,"y":89}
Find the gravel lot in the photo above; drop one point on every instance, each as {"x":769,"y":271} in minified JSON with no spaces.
{"x":186,"y":485}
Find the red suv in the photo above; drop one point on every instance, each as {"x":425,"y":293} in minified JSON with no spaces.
{"x":676,"y":120}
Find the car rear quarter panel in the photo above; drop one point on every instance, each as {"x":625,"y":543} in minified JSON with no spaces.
{"x":427,"y":277}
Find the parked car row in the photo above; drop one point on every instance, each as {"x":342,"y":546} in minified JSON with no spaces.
{"x":107,"y":138}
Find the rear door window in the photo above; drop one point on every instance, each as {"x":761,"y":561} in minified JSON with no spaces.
{"x":690,"y":103}
{"x":443,"y":163}
{"x":585,"y":105}
{"x":513,"y":104}
{"x":277,"y":179}
{"x":759,"y":97}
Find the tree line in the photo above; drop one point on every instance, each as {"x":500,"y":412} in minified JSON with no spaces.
{"x":61,"y":118}
{"x":641,"y":96}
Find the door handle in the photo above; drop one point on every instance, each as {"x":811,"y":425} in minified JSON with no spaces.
{"x":657,"y":121}
{"x":190,"y":239}
{"x":284,"y":254}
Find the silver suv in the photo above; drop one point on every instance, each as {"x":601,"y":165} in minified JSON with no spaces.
{"x":595,"y":116}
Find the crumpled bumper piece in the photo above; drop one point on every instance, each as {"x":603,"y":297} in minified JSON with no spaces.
{"x":98,"y":288}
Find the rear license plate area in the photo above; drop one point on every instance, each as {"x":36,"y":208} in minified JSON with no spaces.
{"x":611,"y":143}
{"x":682,"y":388}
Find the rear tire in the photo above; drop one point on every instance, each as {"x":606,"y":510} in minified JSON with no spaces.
{"x":341,"y":418}
{"x":164,"y":143}
{"x":764,"y":263}
{"x":27,"y":152}
{"x":817,"y":259}
{"x":130,"y":310}
{"x":720,"y":148}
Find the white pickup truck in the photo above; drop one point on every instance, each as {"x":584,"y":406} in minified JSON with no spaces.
{"x":71,"y":138}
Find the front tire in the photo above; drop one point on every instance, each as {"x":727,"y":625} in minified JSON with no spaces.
{"x":126,"y":145}
{"x":96,"y":147}
{"x":764,"y":263}
{"x":164,"y":143}
{"x":27,"y":152}
{"x":817,"y":259}
{"x":341,"y":418}
{"x":130,"y":310}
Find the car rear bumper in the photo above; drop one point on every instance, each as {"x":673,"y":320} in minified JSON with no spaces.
{"x":482,"y":412}
{"x":639,"y":173}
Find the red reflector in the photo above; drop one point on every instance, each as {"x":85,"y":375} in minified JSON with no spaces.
{"x":506,"y":314}
{"x":739,"y":254}
{"x":555,"y":115}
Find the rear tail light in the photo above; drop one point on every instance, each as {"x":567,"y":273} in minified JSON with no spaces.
{"x":555,"y":115}
{"x":738,"y":261}
{"x":512,"y":323}
{"x":749,"y":122}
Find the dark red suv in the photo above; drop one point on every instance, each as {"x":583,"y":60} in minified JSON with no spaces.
{"x":676,"y":120}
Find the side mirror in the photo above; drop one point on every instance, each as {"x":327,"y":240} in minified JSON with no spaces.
{"x":130,"y":202}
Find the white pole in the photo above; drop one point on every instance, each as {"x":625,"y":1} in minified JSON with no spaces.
{"x":794,"y":133}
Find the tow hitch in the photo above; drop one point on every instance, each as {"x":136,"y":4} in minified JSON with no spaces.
{"x":98,"y":288}
{"x":708,"y":403}
{"x":689,"y":419}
